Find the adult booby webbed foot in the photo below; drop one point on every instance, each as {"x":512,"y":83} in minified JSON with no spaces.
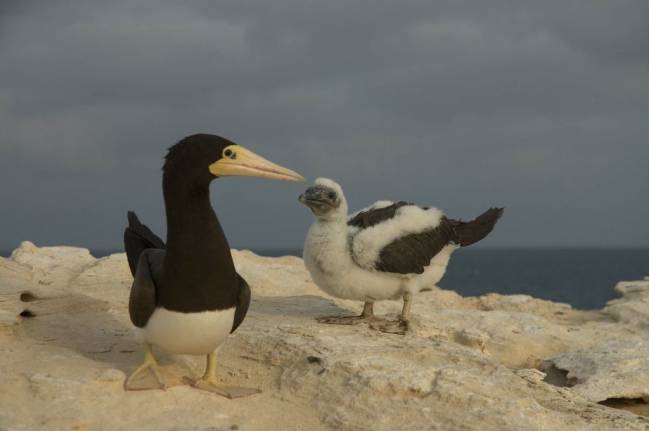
{"x":209,"y":382}
{"x":400,"y":326}
{"x":154,"y":381}
{"x":366,"y":316}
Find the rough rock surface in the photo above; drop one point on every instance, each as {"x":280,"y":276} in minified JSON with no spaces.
{"x":481,"y":363}
{"x":615,"y":369}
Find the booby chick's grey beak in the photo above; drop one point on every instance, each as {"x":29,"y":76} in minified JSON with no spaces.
{"x":239,"y":161}
{"x":320,"y":199}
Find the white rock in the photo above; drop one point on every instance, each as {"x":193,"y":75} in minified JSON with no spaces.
{"x":112,"y":375}
{"x":52,"y":265}
{"x":472,"y":338}
{"x":616,"y":369}
{"x":633,"y":307}
{"x":467,"y":365}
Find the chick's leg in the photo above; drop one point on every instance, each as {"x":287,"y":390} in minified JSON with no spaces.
{"x":400,"y":326}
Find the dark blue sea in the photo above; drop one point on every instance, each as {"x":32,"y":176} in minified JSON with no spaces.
{"x":583,"y":278}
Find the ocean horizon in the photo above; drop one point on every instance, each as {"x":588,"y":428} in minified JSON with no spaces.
{"x":581,"y":277}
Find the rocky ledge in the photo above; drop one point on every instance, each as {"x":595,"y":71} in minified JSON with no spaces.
{"x":479,"y":363}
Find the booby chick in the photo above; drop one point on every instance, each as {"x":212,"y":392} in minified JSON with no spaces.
{"x":186,"y":296}
{"x":389,"y":250}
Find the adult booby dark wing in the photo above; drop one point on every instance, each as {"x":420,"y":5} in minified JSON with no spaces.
{"x":147,"y":250}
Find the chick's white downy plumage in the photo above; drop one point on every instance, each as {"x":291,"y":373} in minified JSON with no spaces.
{"x":389,"y":250}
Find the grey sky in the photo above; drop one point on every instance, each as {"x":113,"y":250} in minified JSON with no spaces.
{"x":542,"y":107}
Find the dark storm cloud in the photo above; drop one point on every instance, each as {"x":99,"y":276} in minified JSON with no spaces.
{"x":539,"y":106}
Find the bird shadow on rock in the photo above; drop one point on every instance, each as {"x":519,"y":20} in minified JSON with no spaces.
{"x":304,"y":306}
{"x":87,"y":327}
{"x":81,"y":324}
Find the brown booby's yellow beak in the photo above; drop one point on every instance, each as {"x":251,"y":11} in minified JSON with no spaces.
{"x":239,"y":161}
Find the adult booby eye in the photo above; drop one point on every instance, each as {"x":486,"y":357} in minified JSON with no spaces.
{"x":230,"y":154}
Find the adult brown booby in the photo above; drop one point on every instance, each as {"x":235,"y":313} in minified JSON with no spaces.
{"x":388,"y":250}
{"x":186,"y":296}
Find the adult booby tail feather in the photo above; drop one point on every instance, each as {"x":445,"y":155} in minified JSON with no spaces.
{"x":467,"y":233}
{"x":137,"y":238}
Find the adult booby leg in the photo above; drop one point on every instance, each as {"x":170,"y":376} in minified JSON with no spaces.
{"x":366,"y":315}
{"x":150,"y":364}
{"x":209,"y":382}
{"x":400,"y":326}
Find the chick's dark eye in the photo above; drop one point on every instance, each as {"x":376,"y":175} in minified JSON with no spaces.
{"x":331,"y":195}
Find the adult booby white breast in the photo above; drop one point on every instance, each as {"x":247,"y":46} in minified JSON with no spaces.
{"x":388,"y":250}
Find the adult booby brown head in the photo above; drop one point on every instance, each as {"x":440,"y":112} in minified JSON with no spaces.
{"x":388,"y":250}
{"x":186,"y":295}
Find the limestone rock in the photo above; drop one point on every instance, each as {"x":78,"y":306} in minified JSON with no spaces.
{"x":270,"y":276}
{"x":633,"y":307}
{"x":469,"y":363}
{"x":618,"y":369}
{"x":472,"y":338}
{"x":52,"y":265}
{"x":109,"y":269}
